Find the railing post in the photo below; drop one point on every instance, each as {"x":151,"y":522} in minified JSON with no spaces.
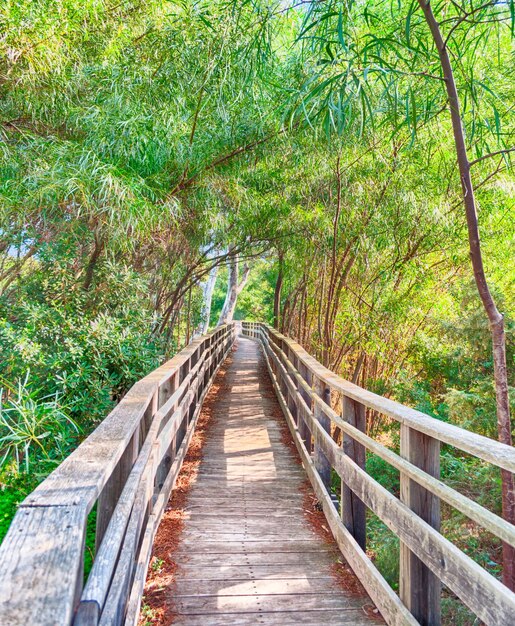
{"x":191,"y":411}
{"x":292,"y":400}
{"x":322,"y":465}
{"x":165,"y":392}
{"x":305,"y":433}
{"x":352,"y":510}
{"x":109,"y":495}
{"x":420,"y":589}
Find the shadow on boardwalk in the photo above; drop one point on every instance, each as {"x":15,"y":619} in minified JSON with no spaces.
{"x":241,"y":542}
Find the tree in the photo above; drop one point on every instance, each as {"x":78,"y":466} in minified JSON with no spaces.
{"x":235,"y":285}
{"x":367,"y":41}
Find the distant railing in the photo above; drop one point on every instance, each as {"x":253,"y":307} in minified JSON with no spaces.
{"x":127,"y":467}
{"x":304,"y":388}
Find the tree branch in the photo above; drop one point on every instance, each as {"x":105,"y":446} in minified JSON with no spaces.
{"x":491,"y":154}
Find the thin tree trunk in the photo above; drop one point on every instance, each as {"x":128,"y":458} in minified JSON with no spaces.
{"x":234,"y":288}
{"x":93,"y":260}
{"x":207,"y":291}
{"x":13,"y":272}
{"x":277,"y":293}
{"x":495,"y":318}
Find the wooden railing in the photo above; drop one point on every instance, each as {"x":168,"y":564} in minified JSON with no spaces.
{"x":306,"y":391}
{"x":124,"y":471}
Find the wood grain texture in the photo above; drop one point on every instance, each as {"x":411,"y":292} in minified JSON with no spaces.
{"x":41,"y":557}
{"x":484,"y":448}
{"x":247,"y":553}
{"x":420,"y":588}
{"x":431,"y":556}
{"x":392,"y":609}
{"x":42,"y":552}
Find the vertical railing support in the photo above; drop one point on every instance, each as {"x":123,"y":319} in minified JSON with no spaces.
{"x":420,"y":589}
{"x":353,"y":512}
{"x":305,"y":433}
{"x":113,"y":488}
{"x":322,"y":464}
{"x":166,"y":390}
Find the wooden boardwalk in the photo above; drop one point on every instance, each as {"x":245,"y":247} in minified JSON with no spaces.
{"x":236,"y":545}
{"x":247,"y":554}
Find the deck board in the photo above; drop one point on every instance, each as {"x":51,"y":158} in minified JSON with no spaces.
{"x":247,"y":554}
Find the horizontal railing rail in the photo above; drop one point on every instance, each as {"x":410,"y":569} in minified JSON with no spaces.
{"x":124,"y":472}
{"x":427,"y":559}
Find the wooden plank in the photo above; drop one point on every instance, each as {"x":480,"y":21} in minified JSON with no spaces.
{"x":390,"y":606}
{"x":42,"y":551}
{"x":237,"y":558}
{"x":322,"y":463}
{"x":250,"y":547}
{"x":256,"y":585}
{"x":468,"y":507}
{"x":198,"y":605}
{"x":484,"y":448}
{"x":353,"y":511}
{"x":134,"y":604}
{"x":110,"y":494}
{"x":113,"y":613}
{"x":313,"y":617}
{"x":506,"y":601}
{"x":228,"y":559}
{"x":490,"y":600}
{"x":115,"y":609}
{"x":188,"y":572}
{"x":420,"y":588}
{"x":149,"y":458}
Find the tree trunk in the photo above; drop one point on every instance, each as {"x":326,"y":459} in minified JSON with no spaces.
{"x":93,"y":260}
{"x":234,"y":288}
{"x":207,"y":291}
{"x":277,"y":293}
{"x":495,"y":318}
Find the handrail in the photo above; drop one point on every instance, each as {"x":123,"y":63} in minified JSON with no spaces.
{"x":427,"y":559}
{"x":127,"y":467}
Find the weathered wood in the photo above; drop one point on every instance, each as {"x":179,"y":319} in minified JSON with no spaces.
{"x":251,"y":604}
{"x":322,"y":464}
{"x":42,"y":551}
{"x":420,"y":588}
{"x":484,"y":448}
{"x":312,"y":617}
{"x":305,"y":433}
{"x":42,"y":555}
{"x":490,"y":600}
{"x":150,"y":457}
{"x":468,"y":507}
{"x":234,"y":526}
{"x":115,"y":605}
{"x":381,"y":593}
{"x":113,"y":488}
{"x":425,"y":488}
{"x":353,"y":511}
{"x":120,"y":460}
{"x":134,"y":604}
{"x":166,"y":391}
{"x":195,"y":573}
{"x":260,"y":586}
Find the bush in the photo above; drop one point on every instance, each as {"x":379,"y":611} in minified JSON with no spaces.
{"x":33,"y":428}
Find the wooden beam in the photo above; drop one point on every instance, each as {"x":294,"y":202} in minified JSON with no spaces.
{"x":353,"y":511}
{"x":420,"y":588}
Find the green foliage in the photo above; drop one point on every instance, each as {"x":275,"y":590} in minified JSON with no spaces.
{"x":11,"y":495}
{"x":140,"y":142}
{"x":256,"y":301}
{"x":33,"y":427}
{"x":385,"y":547}
{"x":88,"y":355}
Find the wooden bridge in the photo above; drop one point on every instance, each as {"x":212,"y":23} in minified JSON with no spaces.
{"x":247,"y":554}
